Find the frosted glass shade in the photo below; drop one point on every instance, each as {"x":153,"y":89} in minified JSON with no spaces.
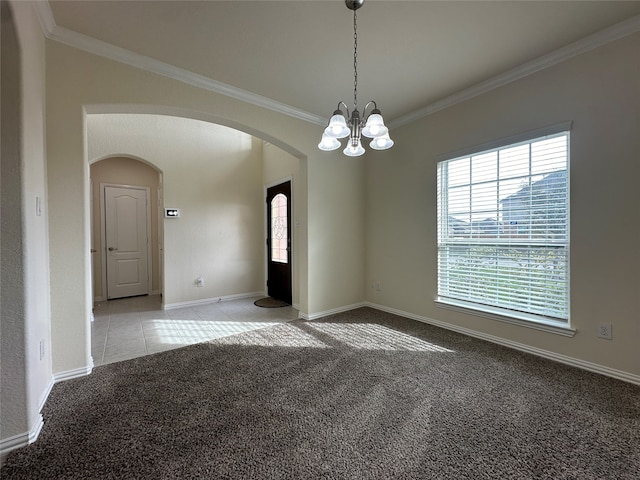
{"x":354,"y":150}
{"x":328,"y":143}
{"x":375,"y":126}
{"x":381,"y":143}
{"x":337,"y":127}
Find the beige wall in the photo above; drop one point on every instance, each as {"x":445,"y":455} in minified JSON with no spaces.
{"x":25,"y":343}
{"x":597,"y":91}
{"x":130,"y":172}
{"x":338,"y":209}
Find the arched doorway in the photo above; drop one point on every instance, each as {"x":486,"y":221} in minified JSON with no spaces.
{"x":133,"y":187}
{"x":214,"y":174}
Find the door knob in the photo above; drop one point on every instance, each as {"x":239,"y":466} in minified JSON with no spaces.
{"x":111,"y":249}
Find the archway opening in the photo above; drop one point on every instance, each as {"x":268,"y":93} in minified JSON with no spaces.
{"x":134,"y":174}
{"x":214,"y":175}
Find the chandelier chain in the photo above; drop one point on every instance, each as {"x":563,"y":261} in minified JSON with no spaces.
{"x":355,"y":61}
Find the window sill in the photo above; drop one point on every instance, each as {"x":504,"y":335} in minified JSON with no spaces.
{"x":520,"y":319}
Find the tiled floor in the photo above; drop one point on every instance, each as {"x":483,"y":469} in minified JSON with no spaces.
{"x":132,"y":327}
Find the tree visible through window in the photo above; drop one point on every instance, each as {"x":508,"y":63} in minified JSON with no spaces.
{"x":503,"y":228}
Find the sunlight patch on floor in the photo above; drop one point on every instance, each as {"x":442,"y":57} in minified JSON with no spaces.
{"x":288,"y":339}
{"x":127,"y":328}
{"x":195,"y":331}
{"x":367,"y":336}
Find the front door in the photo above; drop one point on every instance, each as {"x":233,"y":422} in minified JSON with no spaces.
{"x":279,"y":242}
{"x":126,"y":241}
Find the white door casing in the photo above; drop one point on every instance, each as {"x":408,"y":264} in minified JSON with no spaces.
{"x":126,"y":240}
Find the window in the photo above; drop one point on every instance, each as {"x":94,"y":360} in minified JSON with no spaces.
{"x":503,"y":230}
{"x":279,"y":235}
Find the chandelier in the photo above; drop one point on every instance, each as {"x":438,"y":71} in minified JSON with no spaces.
{"x":371,"y":126}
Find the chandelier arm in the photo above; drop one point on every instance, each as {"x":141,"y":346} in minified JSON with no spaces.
{"x":364,"y":110}
{"x":345,"y":107}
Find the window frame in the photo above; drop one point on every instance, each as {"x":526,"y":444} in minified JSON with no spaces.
{"x":535,"y":321}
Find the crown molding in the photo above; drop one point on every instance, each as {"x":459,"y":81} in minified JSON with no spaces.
{"x":598,"y":39}
{"x":45,"y":16}
{"x":112,"y":52}
{"x":107,"y":50}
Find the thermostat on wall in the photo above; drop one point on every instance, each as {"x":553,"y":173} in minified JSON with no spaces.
{"x":171,"y":213}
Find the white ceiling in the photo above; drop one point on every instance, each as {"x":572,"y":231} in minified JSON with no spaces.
{"x":411,"y":54}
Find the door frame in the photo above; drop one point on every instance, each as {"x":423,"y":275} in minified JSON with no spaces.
{"x":266,"y":187}
{"x":103,"y":233}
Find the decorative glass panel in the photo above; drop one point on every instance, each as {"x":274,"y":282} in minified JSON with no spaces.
{"x":279,"y":233}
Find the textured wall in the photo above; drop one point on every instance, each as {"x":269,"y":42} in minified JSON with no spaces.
{"x":13,"y":412}
{"x":25,"y":343}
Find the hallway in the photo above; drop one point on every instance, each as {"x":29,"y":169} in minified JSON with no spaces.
{"x":136,"y":326}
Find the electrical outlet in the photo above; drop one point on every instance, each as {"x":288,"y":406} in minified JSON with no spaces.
{"x":605,"y":330}
{"x":378,"y":287}
{"x":199,"y":282}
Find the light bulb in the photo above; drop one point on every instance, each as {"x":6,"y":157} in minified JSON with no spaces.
{"x":354,"y":150}
{"x":374,"y":130}
{"x":337,"y":126}
{"x":381,"y":143}
{"x":328,"y":143}
{"x":375,"y":126}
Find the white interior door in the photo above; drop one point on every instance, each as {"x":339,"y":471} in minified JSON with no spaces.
{"x":127,"y":241}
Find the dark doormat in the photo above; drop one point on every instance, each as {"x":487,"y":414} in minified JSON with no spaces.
{"x":268,"y":302}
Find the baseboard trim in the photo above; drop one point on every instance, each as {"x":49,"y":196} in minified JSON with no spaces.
{"x":204,"y":301}
{"x":71,"y":374}
{"x":104,"y":299}
{"x":333,"y":311}
{"x":22,"y":439}
{"x":45,"y":394}
{"x":26,"y":438}
{"x":557,"y":357}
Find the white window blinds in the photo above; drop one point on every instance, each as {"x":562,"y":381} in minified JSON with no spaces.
{"x":503,"y":233}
